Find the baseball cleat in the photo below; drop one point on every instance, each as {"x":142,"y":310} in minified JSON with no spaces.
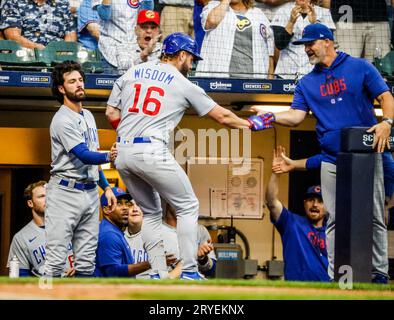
{"x":192,"y":276}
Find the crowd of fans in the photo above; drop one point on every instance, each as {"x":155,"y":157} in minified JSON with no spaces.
{"x":237,"y":38}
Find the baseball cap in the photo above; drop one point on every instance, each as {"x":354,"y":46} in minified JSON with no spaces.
{"x":119,"y":194}
{"x":148,"y":16}
{"x":315,"y":31}
{"x":313,"y":191}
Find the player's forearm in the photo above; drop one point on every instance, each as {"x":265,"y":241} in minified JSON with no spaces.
{"x":386,"y":101}
{"x":137,"y":268}
{"x":88,"y":157}
{"x":231,"y":120}
{"x":290,"y":118}
{"x":271,"y":196}
{"x":113,"y":116}
{"x":217,"y":14}
{"x":103,"y":182}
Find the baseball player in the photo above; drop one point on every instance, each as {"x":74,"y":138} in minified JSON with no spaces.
{"x":145,"y":105}
{"x":114,"y":255}
{"x":28,"y":245}
{"x":72,"y":213}
{"x":134,"y":239}
{"x":206,"y":258}
{"x":340,"y":91}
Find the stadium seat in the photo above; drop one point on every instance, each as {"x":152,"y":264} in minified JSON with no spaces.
{"x":56,"y":52}
{"x":385,"y":65}
{"x":11,"y":53}
{"x":59,"y":51}
{"x":91,"y":60}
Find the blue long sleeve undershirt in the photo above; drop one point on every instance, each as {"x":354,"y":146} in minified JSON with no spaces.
{"x":82,"y":152}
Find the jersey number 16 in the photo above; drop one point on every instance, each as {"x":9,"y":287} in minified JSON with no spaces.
{"x":153,"y":103}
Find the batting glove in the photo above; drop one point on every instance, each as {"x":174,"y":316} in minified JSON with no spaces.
{"x":261,"y":122}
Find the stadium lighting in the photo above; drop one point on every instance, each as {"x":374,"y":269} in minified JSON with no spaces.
{"x":268,"y":108}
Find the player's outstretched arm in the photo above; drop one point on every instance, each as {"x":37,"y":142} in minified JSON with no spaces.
{"x":113,"y":116}
{"x":289,"y":118}
{"x":274,"y":205}
{"x":227,"y":118}
{"x":284,"y":164}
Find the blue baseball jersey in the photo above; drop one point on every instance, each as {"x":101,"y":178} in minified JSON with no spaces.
{"x":113,"y":253}
{"x":339,"y":96}
{"x":304,"y":248}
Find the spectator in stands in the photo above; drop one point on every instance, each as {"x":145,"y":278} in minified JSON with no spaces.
{"x":238,"y":41}
{"x":362,"y":27}
{"x":117,"y":26}
{"x":114,"y":258}
{"x":1,"y":32}
{"x":146,"y":46}
{"x":33,"y":24}
{"x":88,"y":25}
{"x":303,"y":237}
{"x":288,"y":24}
{"x":270,"y":7}
{"x":177,"y":16}
{"x":198,"y":29}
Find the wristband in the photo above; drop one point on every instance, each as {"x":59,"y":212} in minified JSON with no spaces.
{"x":388,"y":120}
{"x":114,"y":123}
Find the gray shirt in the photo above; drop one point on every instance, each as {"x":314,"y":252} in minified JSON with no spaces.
{"x":28,"y":245}
{"x":153,"y":97}
{"x":241,"y":63}
{"x":68,"y":129}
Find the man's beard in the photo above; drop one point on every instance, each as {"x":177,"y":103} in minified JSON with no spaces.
{"x":184,"y":69}
{"x":313,"y":60}
{"x":74,"y":97}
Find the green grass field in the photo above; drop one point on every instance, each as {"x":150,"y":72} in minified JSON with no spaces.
{"x":215,"y":289}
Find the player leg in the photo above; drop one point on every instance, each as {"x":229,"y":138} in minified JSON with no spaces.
{"x":86,"y":235}
{"x":61,"y":215}
{"x":379,"y":247}
{"x":172,"y":183}
{"x":155,"y":165}
{"x":149,"y":201}
{"x":328,"y":189}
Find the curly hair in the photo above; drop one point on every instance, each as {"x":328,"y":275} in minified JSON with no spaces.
{"x":28,"y":193}
{"x":58,"y":76}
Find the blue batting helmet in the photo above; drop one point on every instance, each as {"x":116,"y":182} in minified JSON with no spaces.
{"x":179,"y":41}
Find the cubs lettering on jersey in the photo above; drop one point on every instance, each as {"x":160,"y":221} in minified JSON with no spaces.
{"x":28,"y":245}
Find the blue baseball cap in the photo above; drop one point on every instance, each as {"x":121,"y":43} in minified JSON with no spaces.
{"x":315,"y":31}
{"x":313,"y":192}
{"x":119,"y":194}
